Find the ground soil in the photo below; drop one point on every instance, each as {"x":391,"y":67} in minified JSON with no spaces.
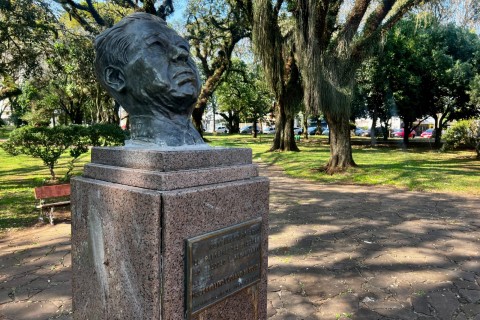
{"x":335,"y":252}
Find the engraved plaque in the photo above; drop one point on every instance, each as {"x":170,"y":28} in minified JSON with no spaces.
{"x":220,"y":263}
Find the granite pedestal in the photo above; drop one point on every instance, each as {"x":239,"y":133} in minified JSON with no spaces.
{"x":133,"y":213}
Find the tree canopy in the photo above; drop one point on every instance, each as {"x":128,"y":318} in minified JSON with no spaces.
{"x":26,"y":30}
{"x":243,"y":96}
{"x":423,"y":69}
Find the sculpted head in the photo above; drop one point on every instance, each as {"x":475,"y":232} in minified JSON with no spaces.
{"x":146,"y":67}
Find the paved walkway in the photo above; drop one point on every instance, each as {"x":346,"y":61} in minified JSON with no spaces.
{"x":336,"y":252}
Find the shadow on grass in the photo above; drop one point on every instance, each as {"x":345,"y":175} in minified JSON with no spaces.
{"x":27,"y":170}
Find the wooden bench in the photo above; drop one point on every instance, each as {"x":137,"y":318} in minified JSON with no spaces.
{"x":48,"y":193}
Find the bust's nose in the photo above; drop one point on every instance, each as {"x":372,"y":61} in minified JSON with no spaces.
{"x":179,"y":54}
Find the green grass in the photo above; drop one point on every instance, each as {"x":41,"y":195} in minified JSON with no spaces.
{"x":5,"y":131}
{"x":418,"y":169}
{"x":19,"y":176}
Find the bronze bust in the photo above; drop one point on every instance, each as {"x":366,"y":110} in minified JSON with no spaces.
{"x":147,"y":68}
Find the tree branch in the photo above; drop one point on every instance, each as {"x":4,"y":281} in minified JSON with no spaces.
{"x":165,"y":9}
{"x":350,"y":27}
{"x":360,"y":47}
{"x":330,"y":22}
{"x":376,"y":17}
{"x":9,"y":93}
{"x":72,"y":4}
{"x":126,"y":3}
{"x":95,"y":15}
{"x":401,"y":11}
{"x":72,"y":11}
{"x":277,"y":7}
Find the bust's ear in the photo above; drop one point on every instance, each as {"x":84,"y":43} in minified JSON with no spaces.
{"x":114,"y":78}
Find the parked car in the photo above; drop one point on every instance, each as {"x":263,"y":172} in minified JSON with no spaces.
{"x":312,"y":130}
{"x":360,"y":132}
{"x":429,"y":133}
{"x":297,"y":130}
{"x":400,"y":132}
{"x":326,"y":132}
{"x":378,"y":132}
{"x":269,"y":130}
{"x":221,"y":129}
{"x":248,"y":129}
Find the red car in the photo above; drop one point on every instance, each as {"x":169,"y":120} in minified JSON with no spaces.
{"x":399,"y":133}
{"x":428,"y":133}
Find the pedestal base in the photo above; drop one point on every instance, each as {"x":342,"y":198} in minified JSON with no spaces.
{"x":129,"y":243}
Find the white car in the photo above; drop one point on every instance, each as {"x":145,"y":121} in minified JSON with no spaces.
{"x":269,"y":130}
{"x":297,"y":130}
{"x":221,"y":129}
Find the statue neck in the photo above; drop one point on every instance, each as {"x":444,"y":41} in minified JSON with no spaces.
{"x":174,"y":130}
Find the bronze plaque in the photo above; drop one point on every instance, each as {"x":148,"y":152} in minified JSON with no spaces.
{"x":222,"y":262}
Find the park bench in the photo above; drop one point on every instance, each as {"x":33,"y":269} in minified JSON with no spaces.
{"x":49,"y":196}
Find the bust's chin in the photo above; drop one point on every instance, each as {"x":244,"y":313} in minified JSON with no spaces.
{"x":183,"y":101}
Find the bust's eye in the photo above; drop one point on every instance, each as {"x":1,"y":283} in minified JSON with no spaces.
{"x":158,"y":43}
{"x":183,"y":46}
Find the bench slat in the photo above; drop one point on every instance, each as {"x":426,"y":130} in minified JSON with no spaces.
{"x":54,"y":204}
{"x":59,"y":190}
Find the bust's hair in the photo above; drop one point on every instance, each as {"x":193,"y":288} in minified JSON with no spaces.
{"x":112,"y":46}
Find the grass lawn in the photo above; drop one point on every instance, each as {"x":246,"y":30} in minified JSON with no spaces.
{"x":18,"y":177}
{"x":5,"y":131}
{"x":415,"y":169}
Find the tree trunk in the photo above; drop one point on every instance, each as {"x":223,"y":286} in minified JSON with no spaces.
{"x":406,"y":132}
{"x":438,"y":132}
{"x":284,"y":139}
{"x":289,"y":143}
{"x":116,"y":111}
{"x":340,"y":148}
{"x":373,"y":137}
{"x":206,"y":92}
{"x":52,"y":172}
{"x":279,"y":125}
{"x":235,"y":124}
{"x":197,"y":115}
{"x":305,"y":125}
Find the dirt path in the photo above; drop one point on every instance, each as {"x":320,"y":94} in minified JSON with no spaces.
{"x":335,"y":252}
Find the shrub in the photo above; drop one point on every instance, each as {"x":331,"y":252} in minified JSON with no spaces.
{"x":464,"y":133}
{"x":45,"y":143}
{"x":49,"y":143}
{"x":106,"y":134}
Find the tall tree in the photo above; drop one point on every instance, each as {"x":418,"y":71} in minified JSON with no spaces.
{"x":373,"y":97}
{"x":332,"y":49}
{"x":430,"y":67}
{"x":26,"y":30}
{"x":72,"y":82}
{"x":214,"y":28}
{"x":243,"y":96}
{"x":453,"y":55}
{"x":274,"y":45}
{"x":403,"y":61}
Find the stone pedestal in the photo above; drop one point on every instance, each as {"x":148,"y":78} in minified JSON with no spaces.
{"x":134,"y":213}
